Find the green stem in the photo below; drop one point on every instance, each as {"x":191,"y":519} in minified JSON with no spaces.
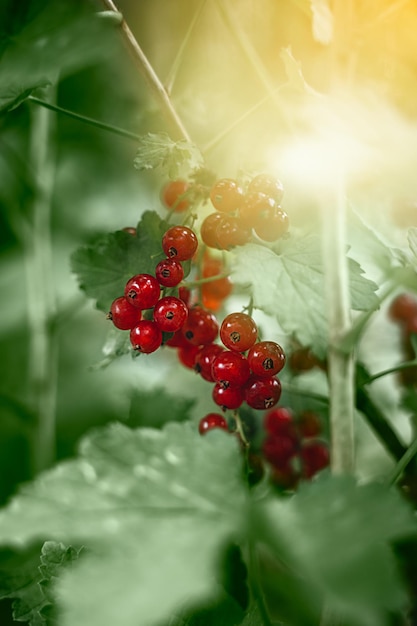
{"x":341,"y":365}
{"x":195,"y":283}
{"x":172,"y":74}
{"x":255,"y":581}
{"x":42,"y":347}
{"x":293,"y":389}
{"x":403,"y":463}
{"x":85,"y":120}
{"x":391,"y":370}
{"x":151,"y":78}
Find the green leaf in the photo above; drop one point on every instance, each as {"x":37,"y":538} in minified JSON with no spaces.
{"x":292,"y":286}
{"x":104,"y":267}
{"x":46,"y":43}
{"x":175,"y":158}
{"x":31,"y":586}
{"x":338,"y":535}
{"x":156,"y":407}
{"x":223,"y":611}
{"x":144,"y":502}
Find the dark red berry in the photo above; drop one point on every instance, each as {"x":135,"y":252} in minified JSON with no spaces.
{"x":279,"y":450}
{"x":201,"y":327}
{"x":177,"y":341}
{"x":231,"y":232}
{"x":173,"y":195}
{"x":266,"y":358}
{"x":262,"y":393}
{"x":280,"y":423}
{"x":403,"y":308}
{"x":238,"y":332}
{"x":230,"y":368}
{"x":170,"y":314}
{"x":309,"y":424}
{"x":272,"y":225}
{"x":187,"y":355}
{"x":204,"y":360}
{"x":226,"y":195}
{"x":146,"y":337}
{"x":228,"y":397}
{"x":142,"y":291}
{"x":180,"y":243}
{"x":210,"y":421}
{"x":184,"y":294}
{"x":253,"y":206}
{"x":315,"y":457}
{"x":269,"y":185}
{"x":123,"y":315}
{"x":302,"y":360}
{"x":208,"y":229}
{"x":285,"y":477}
{"x":169,"y":272}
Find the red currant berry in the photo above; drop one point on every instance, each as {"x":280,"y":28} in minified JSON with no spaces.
{"x":231,"y":232}
{"x":180,"y":243}
{"x":228,"y":397}
{"x":253,"y":206}
{"x":285,"y":477}
{"x":403,"y":308}
{"x":268,"y":185}
{"x":204,"y":360}
{"x":226,"y":195}
{"x":173,"y":195}
{"x":231,"y":369}
{"x":210,"y":421}
{"x":142,"y":291}
{"x":169,"y":272}
{"x":279,"y":450}
{"x":177,"y":341}
{"x":146,"y":337}
{"x":302,"y":360}
{"x":170,"y":314}
{"x":238,"y":332}
{"x":272,"y":225}
{"x":309,"y":424}
{"x":266,"y":358}
{"x":220,"y":288}
{"x":123,"y":315}
{"x":315,"y":457}
{"x":209,"y":229}
{"x":201,"y":327}
{"x":280,"y":423}
{"x":184,"y":294}
{"x":187,"y":355}
{"x":262,"y":393}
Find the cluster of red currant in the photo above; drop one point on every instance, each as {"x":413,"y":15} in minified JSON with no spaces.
{"x":292,"y":447}
{"x":141,"y":309}
{"x":237,"y":377}
{"x":403,"y":311}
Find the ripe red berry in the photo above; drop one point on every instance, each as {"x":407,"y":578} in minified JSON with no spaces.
{"x":228,"y":397}
{"x":253,"y":206}
{"x":204,"y":360}
{"x":226,"y":195}
{"x":187,"y":355}
{"x":170,"y":314}
{"x":146,"y":337}
{"x":201,"y":327}
{"x":169,"y":272}
{"x":179,"y":242}
{"x":314,"y":456}
{"x":262,"y":393}
{"x":231,"y":232}
{"x":280,"y":422}
{"x":177,"y":340}
{"x":309,"y":424}
{"x":279,"y":450}
{"x":268,"y":185}
{"x":272,"y":225}
{"x":210,"y":421}
{"x":123,"y":315}
{"x":142,"y":291}
{"x":173,"y":195}
{"x":238,"y":332}
{"x":208,"y":229}
{"x":403,"y":308}
{"x":266,"y":358}
{"x":220,"y":288}
{"x":230,"y":368}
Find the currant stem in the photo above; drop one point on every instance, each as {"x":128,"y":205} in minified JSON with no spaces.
{"x":152,"y":80}
{"x":341,"y":365}
{"x":41,"y":301}
{"x":201,"y":281}
{"x":403,"y":463}
{"x":239,"y":428}
{"x":391,"y":370}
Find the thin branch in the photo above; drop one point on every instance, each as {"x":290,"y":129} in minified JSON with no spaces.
{"x":403,"y":463}
{"x":172,"y":74}
{"x":152,"y":80}
{"x":85,"y":120}
{"x":391,"y":370}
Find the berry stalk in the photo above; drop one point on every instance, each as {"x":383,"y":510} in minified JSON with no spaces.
{"x":341,"y":365}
